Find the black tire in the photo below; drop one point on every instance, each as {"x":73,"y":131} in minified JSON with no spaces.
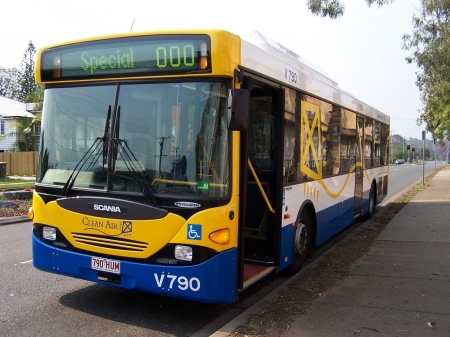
{"x":302,"y":243}
{"x":372,"y":204}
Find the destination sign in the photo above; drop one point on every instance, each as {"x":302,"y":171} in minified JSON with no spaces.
{"x":126,"y":57}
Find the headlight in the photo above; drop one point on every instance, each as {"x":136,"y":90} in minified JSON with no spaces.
{"x":183,"y":253}
{"x":49,"y":233}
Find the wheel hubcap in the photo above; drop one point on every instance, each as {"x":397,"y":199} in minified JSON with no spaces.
{"x":301,"y":238}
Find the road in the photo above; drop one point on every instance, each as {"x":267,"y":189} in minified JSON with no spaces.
{"x":35,"y":303}
{"x":407,"y":174}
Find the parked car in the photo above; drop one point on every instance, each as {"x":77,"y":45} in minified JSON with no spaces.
{"x":400,"y":161}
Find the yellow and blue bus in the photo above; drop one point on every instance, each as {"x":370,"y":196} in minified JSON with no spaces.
{"x":193,"y":163}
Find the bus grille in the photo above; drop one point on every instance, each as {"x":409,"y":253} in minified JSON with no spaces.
{"x":109,"y":242}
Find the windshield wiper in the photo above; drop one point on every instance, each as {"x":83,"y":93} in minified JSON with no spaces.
{"x":73,"y":176}
{"x":105,"y":138}
{"x":131,"y":164}
{"x":92,"y":149}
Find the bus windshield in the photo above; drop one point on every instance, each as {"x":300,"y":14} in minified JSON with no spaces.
{"x":169,"y":138}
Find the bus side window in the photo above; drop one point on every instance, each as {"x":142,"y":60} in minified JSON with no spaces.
{"x":348,"y":141}
{"x":333,"y":140}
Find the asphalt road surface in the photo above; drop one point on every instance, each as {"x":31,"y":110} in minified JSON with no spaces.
{"x":404,"y":175}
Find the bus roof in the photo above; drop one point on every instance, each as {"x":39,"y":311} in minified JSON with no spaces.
{"x":272,"y":60}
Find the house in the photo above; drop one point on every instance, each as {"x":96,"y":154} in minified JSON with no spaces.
{"x":10,"y":112}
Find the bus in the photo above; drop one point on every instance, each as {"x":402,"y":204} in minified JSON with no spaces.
{"x":193,"y":163}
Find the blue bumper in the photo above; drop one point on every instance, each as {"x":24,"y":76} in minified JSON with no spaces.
{"x":212,"y":281}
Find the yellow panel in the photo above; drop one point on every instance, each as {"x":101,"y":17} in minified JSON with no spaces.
{"x":152,"y":235}
{"x":211,"y":220}
{"x":40,"y":211}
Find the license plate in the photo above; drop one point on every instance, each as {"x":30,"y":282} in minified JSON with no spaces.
{"x":108,"y":265}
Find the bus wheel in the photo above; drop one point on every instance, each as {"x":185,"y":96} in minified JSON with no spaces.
{"x":372,"y":204}
{"x":302,"y":242}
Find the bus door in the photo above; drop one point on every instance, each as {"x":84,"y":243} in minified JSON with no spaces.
{"x":359,"y":172}
{"x":263,"y":185}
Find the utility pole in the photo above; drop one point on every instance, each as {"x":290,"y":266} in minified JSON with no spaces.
{"x":423,"y":157}
{"x":403,"y":148}
{"x":161,"y":146}
{"x":434,"y":142}
{"x":408,"y":147}
{"x":447,"y":151}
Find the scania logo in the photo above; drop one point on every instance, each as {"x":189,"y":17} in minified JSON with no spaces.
{"x":107,"y":208}
{"x":187,"y":204}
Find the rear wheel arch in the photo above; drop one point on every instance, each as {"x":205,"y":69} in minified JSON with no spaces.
{"x":303,"y":237}
{"x":309,"y":207}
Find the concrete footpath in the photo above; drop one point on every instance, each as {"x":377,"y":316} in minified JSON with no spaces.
{"x":400,"y":288}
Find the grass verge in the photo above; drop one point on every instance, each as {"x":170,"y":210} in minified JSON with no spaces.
{"x":277,"y":314}
{"x":17,"y":184}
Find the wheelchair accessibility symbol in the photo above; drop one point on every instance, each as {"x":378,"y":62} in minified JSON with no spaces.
{"x":194,"y":232}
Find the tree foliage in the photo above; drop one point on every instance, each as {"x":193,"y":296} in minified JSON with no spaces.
{"x":19,"y":85}
{"x":429,"y":45}
{"x":10,"y":82}
{"x":36,"y":97}
{"x":334,"y":8}
{"x":27,"y":83}
{"x":442,"y":150}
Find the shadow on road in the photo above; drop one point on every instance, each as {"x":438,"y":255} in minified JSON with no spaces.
{"x":168,"y":315}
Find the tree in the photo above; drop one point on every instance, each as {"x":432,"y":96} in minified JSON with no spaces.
{"x":20,"y":84}
{"x":334,"y":9}
{"x":397,"y":143}
{"x":429,"y":44}
{"x":9,"y":82}
{"x":427,"y":154}
{"x":27,"y":126}
{"x":36,"y":96}
{"x":27,"y":82}
{"x":441,"y":151}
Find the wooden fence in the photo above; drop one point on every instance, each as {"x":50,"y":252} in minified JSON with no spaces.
{"x":20,"y":163}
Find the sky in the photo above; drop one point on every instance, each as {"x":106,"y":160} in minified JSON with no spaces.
{"x":361,"y":51}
